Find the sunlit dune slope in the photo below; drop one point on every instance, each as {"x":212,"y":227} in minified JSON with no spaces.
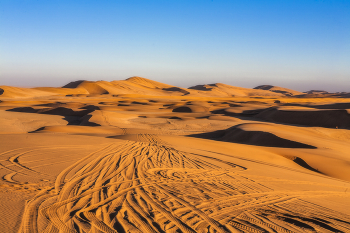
{"x":282,"y":90}
{"x":143,"y":86}
{"x":15,"y":92}
{"x":220,"y":89}
{"x":134,"y":85}
{"x":64,"y":91}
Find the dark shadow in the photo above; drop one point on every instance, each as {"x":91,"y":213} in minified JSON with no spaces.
{"x":201,"y":88}
{"x":75,"y":225}
{"x":178,"y":89}
{"x":175,"y":118}
{"x":61,"y":111}
{"x":117,"y":225}
{"x":302,"y":163}
{"x":326,"y":95}
{"x":339,"y":220}
{"x":1,"y":91}
{"x":23,"y":109}
{"x":168,"y":105}
{"x":338,"y":118}
{"x":182,"y":109}
{"x":72,"y":120}
{"x":37,"y":130}
{"x":286,"y":93}
{"x":90,"y":108}
{"x":254,"y":102}
{"x":82,"y":216}
{"x":141,"y":103}
{"x":312,"y":221}
{"x":252,"y":112}
{"x":74,"y":84}
{"x":332,"y":106}
{"x":85,"y":121}
{"x":256,"y":138}
{"x":298,"y":223}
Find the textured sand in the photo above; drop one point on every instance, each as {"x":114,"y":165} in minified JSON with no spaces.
{"x":142,"y":156}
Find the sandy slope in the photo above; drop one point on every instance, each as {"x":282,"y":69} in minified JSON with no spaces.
{"x":105,"y":159}
{"x":281,"y":90}
{"x":134,"y":85}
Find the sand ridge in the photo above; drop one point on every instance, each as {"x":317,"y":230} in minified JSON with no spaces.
{"x":135,"y":85}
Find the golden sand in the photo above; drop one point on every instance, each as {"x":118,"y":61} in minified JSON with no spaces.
{"x":142,"y":156}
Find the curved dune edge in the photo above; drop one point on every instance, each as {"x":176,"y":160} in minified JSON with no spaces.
{"x":133,"y":85}
{"x":334,"y":118}
{"x":258,"y":138}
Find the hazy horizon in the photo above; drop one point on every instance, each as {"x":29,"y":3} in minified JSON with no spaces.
{"x":183,"y":86}
{"x":301,"y":45}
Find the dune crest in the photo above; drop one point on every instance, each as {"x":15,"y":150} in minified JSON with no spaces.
{"x":284,"y":91}
{"x":143,"y":86}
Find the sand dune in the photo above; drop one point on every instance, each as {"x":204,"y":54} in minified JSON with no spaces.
{"x":16,"y":92}
{"x":11,"y":122}
{"x":335,"y":118}
{"x":237,"y":134}
{"x":141,"y":156}
{"x":142,"y":86}
{"x":220,"y":89}
{"x":282,"y":90}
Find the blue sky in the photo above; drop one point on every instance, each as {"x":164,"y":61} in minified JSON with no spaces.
{"x":298,"y":44}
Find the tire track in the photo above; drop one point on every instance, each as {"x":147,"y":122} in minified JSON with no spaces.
{"x":148,"y":186}
{"x":11,"y":162}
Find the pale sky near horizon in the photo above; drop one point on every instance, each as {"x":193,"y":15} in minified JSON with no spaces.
{"x":297,"y":44}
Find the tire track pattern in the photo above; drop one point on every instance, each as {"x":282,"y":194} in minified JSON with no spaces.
{"x":148,"y":186}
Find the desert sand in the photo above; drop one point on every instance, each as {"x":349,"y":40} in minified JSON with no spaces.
{"x":141,"y":156}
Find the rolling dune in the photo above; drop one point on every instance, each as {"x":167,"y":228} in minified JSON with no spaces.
{"x":141,"y":156}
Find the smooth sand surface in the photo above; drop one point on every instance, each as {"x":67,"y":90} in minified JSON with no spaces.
{"x":142,"y":156}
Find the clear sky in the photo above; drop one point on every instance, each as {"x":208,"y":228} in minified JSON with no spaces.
{"x":298,"y":44}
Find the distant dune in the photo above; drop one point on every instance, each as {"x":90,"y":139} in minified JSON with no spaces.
{"x":138,"y":155}
{"x":284,"y":91}
{"x":143,"y":86}
{"x":16,"y":92}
